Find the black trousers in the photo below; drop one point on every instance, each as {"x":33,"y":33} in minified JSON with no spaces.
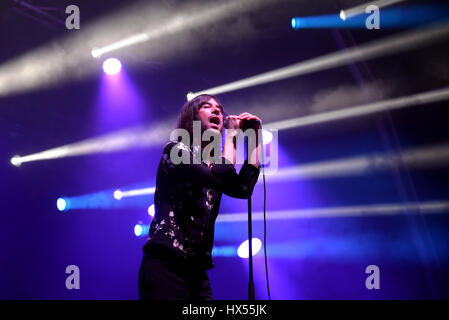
{"x":170,"y":279}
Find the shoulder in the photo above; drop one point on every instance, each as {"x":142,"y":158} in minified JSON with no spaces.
{"x":168,"y":146}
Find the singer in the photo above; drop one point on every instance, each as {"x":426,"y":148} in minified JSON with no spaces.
{"x":178,"y":251}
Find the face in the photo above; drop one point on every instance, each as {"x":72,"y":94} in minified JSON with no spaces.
{"x":211,"y":115}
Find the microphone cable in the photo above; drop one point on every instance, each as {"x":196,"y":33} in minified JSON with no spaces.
{"x":265,"y":222}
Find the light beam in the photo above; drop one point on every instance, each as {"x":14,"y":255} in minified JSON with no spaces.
{"x":391,"y":45}
{"x":354,"y":11}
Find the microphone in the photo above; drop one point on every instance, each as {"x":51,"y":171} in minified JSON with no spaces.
{"x":249,"y":123}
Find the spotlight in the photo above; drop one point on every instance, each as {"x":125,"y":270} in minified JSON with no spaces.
{"x":190,"y":96}
{"x":118,"y":194}
{"x":62,"y":204}
{"x":383,"y":209}
{"x":95,"y":53}
{"x":16,"y":161}
{"x":294,"y":23}
{"x":396,"y":43}
{"x":364,"y":109}
{"x":138,"y":230}
{"x":141,"y":230}
{"x":223,"y":251}
{"x":112,"y":66}
{"x":243,"y":250}
{"x":267,"y":136}
{"x":132,"y":40}
{"x":151,"y":210}
{"x":361,"y":9}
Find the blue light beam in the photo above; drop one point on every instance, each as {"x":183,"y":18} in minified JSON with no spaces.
{"x":399,"y":17}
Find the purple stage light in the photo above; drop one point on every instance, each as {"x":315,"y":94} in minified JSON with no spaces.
{"x":243,"y":250}
{"x":112,"y":66}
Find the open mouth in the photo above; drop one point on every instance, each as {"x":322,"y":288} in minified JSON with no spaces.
{"x":215,"y":120}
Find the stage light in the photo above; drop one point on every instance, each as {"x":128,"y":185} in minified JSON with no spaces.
{"x":361,"y":9}
{"x":267,"y":136}
{"x":410,"y":16}
{"x":375,"y":163}
{"x":135,"y":192}
{"x":128,"y":139}
{"x":394,"y":44}
{"x":16,"y":161}
{"x":95,"y":52}
{"x":243,"y":250}
{"x":190,"y":96}
{"x":138,"y":230}
{"x":362,"y":110}
{"x":385,"y":209}
{"x":62,"y":204}
{"x":150,"y":22}
{"x":104,"y":199}
{"x":294,"y":23}
{"x":183,"y":19}
{"x":135,"y":39}
{"x":323,"y":21}
{"x":112,"y":142}
{"x":141,"y":230}
{"x":370,"y":164}
{"x":151,"y":210}
{"x":224,"y":251}
{"x":112,"y":66}
{"x":118,"y":194}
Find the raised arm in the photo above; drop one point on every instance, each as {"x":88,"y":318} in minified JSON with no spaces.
{"x":221,"y":177}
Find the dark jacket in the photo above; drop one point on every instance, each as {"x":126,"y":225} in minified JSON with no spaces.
{"x":187,"y":200}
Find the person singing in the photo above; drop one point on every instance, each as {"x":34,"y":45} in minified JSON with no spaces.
{"x":178,"y":251}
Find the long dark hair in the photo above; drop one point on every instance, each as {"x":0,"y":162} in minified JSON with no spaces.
{"x":189,"y":112}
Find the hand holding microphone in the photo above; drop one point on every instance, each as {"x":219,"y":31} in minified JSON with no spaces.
{"x":243,"y":121}
{"x":249,"y":121}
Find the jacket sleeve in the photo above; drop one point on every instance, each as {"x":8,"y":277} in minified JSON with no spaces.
{"x":237,"y":185}
{"x":221,"y":177}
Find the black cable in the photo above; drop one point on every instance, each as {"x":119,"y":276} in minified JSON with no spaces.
{"x":251,"y":293}
{"x":265,"y":219}
{"x":265,"y":224}
{"x":251,"y":284}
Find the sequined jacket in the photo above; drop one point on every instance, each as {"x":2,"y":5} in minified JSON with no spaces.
{"x":187,"y":200}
